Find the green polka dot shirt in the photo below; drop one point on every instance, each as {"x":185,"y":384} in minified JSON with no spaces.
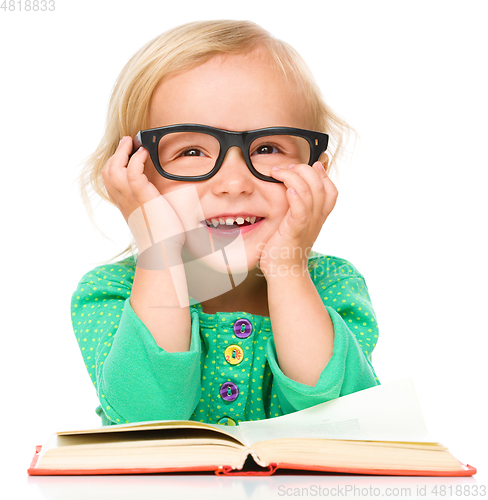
{"x":231,"y":372}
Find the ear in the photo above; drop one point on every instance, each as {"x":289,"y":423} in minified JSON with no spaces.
{"x":324,"y":159}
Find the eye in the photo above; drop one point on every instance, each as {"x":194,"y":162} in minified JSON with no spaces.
{"x":266,"y":149}
{"x":192,"y":152}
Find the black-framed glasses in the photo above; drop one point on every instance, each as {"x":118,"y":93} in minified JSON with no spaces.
{"x":191,"y":152}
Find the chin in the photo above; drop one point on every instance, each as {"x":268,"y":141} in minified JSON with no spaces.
{"x":211,"y":271}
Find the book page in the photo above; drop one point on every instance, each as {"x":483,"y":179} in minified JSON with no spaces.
{"x":143,"y":438}
{"x":155,"y":425}
{"x":387,"y":412}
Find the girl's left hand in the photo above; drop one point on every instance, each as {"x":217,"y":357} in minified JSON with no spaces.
{"x":312,"y":197}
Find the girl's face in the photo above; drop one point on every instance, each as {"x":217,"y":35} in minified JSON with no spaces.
{"x":236,"y":93}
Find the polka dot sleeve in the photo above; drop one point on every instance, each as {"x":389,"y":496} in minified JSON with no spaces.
{"x":344,"y":294}
{"x":135,"y":379}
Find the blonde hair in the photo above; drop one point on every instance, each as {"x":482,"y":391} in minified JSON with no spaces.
{"x":181,"y":49}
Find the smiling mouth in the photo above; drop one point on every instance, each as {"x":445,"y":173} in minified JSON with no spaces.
{"x":223,"y":223}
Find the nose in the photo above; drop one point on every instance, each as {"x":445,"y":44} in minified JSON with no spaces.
{"x":234,"y":176}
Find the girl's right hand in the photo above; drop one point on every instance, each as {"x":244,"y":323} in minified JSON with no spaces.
{"x":132,"y":192}
{"x":127,"y":185}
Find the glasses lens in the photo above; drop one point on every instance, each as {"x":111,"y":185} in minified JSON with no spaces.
{"x":188,"y":153}
{"x":278,"y":150}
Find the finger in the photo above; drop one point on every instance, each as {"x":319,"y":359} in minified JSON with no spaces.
{"x":299,"y":214}
{"x":135,"y":167}
{"x":115,"y":170}
{"x":331,"y":194}
{"x":292,"y":179}
{"x":141,"y":188}
{"x":329,"y":188}
{"x":107,"y":176}
{"x":319,"y":188}
{"x":323,"y":202}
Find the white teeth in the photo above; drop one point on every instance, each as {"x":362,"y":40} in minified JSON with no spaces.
{"x":230,"y":221}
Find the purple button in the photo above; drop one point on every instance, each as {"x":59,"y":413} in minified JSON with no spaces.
{"x":229,"y":391}
{"x":242,"y":328}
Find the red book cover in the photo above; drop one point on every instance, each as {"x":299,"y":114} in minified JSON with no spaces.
{"x":229,"y":471}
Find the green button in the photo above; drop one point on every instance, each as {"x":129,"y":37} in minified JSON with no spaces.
{"x":227,"y":421}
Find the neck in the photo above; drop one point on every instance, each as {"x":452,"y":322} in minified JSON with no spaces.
{"x":250,"y":296}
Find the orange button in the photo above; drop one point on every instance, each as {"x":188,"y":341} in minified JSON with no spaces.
{"x":234,"y":354}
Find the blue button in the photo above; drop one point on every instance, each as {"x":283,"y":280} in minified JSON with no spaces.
{"x":242,"y":328}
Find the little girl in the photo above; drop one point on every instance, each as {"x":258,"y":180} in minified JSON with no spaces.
{"x":232,"y":175}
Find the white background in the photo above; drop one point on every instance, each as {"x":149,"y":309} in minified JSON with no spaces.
{"x":410,"y":77}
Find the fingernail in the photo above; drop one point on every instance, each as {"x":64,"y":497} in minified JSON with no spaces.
{"x":319,"y":165}
{"x":291,"y":166}
{"x":276,"y":168}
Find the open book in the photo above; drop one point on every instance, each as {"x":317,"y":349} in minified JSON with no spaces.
{"x":376,"y":431}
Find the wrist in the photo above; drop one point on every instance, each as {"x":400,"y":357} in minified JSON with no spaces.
{"x":160,"y":256}
{"x":154,"y":222}
{"x":280,"y":272}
